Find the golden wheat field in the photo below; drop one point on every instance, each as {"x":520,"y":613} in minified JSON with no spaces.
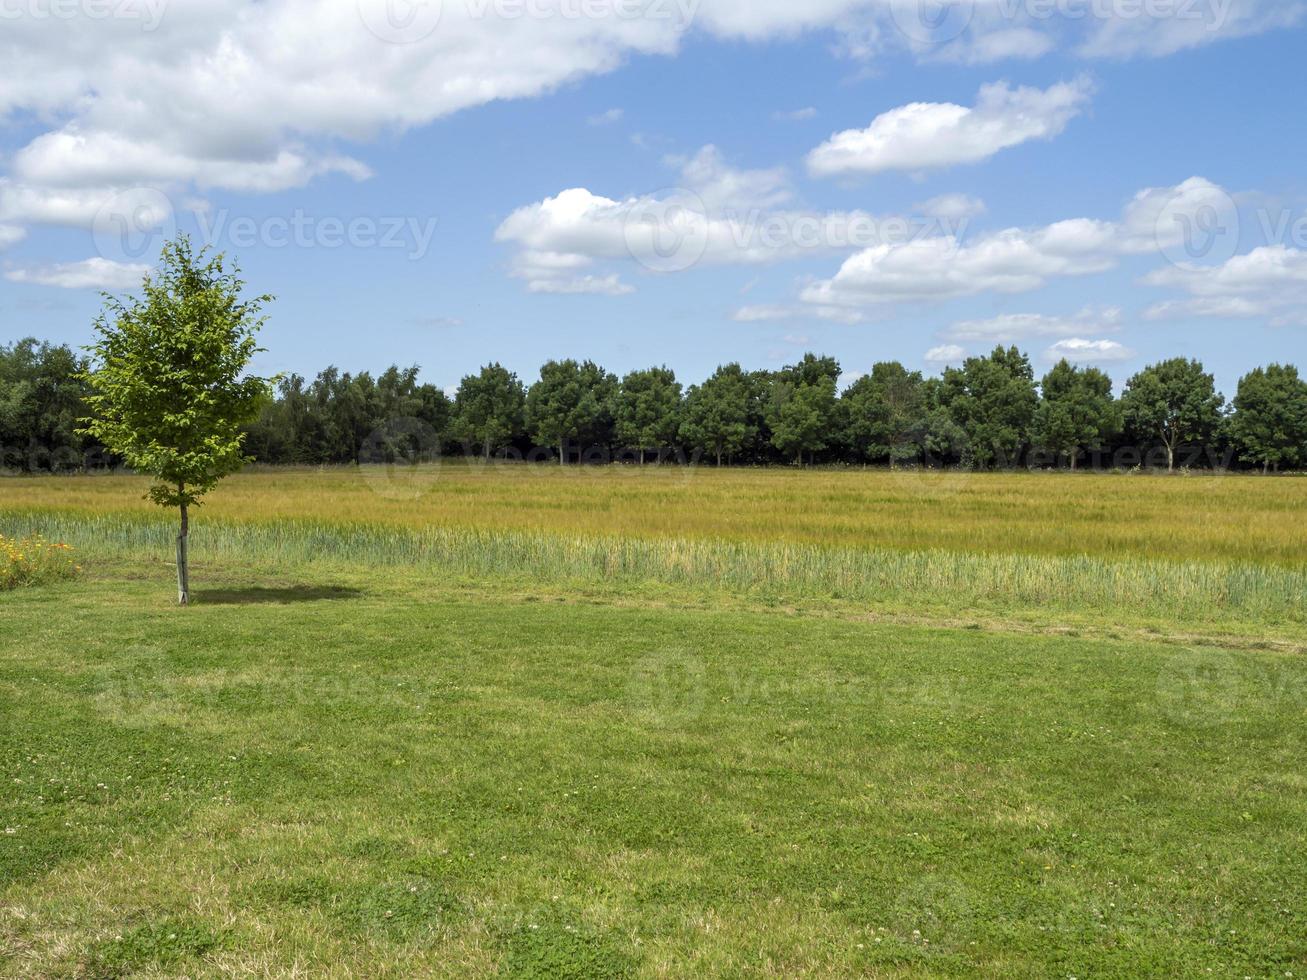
{"x":1226,"y":518}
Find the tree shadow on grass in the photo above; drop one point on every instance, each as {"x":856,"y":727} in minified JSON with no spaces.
{"x":279,"y":596}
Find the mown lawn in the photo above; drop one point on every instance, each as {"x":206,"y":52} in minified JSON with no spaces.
{"x":381,"y":776}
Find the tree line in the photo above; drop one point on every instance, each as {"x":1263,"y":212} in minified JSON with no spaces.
{"x":990,"y":412}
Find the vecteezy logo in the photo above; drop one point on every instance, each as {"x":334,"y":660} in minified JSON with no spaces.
{"x":669,"y":687}
{"x":1198,"y":223}
{"x":401,"y":459}
{"x":667,"y":231}
{"x":400,"y":21}
{"x":925,"y":22}
{"x":133,"y":225}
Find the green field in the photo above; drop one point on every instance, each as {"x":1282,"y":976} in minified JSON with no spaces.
{"x":520,"y":725}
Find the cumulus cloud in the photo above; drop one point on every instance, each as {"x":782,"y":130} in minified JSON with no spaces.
{"x":953,"y":206}
{"x":717,"y":215}
{"x":1269,"y":282}
{"x":1014,"y":260}
{"x":945,"y":354}
{"x":1009,"y":328}
{"x":261,"y":95}
{"x":606,"y":118}
{"x":96,"y":273}
{"x":1080,"y":351}
{"x":762,"y":313}
{"x":929,"y":135}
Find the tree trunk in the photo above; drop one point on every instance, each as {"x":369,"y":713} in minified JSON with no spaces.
{"x":1170,"y":458}
{"x":719,"y":459}
{"x":487,"y":449}
{"x":1266,"y":465}
{"x":183,"y":571}
{"x":562,"y":452}
{"x":1074,"y":454}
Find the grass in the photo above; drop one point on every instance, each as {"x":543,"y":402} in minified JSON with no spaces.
{"x":32,"y":560}
{"x":398,"y":779}
{"x":1195,"y":518}
{"x":482,"y":733}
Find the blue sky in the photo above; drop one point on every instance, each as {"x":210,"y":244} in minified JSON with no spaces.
{"x":1059,"y":178}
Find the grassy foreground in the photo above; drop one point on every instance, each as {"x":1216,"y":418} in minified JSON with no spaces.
{"x":365,"y":777}
{"x":478,"y":745}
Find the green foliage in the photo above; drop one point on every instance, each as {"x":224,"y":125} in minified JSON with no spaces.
{"x":717,"y":418}
{"x":1174,"y":402}
{"x":169,"y":392}
{"x":1269,"y":425}
{"x":647,"y":411}
{"x":350,"y":418}
{"x":1077,"y":411}
{"x":42,"y":399}
{"x":489,"y":408}
{"x":993,"y":400}
{"x":571,"y":403}
{"x":886,"y":414}
{"x":802,"y":406}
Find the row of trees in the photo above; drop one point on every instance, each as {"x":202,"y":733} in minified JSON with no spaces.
{"x":990,"y":412}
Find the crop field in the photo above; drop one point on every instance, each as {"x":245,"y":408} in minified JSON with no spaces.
{"x":533,"y":722}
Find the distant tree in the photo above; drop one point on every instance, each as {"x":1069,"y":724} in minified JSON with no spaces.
{"x":489,"y":408}
{"x":1174,"y":402}
{"x":943,"y":440}
{"x":992,"y":399}
{"x":716,"y":417}
{"x":647,"y":412}
{"x":1269,"y":424}
{"x":886,"y":414}
{"x":1076,"y":411}
{"x":169,"y":389}
{"x":42,"y":397}
{"x":571,"y":402}
{"x":803,"y":407}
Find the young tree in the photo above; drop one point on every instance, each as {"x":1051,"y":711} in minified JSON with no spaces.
{"x":647,"y":412}
{"x":1077,"y":411}
{"x":886,"y":413}
{"x":571,"y":401}
{"x":169,"y":391}
{"x":1269,"y":425}
{"x":489,"y":407}
{"x":716,"y":414}
{"x":1174,"y":402}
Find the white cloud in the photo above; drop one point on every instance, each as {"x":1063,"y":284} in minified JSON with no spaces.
{"x":1008,"y":328}
{"x":1080,"y":351}
{"x":1269,"y":282}
{"x":1010,"y":261}
{"x":926,"y":135}
{"x":718,"y":215}
{"x":954,"y":207}
{"x":1189,"y":26}
{"x":260,"y":95}
{"x":606,"y":118}
{"x":762,"y":313}
{"x":594,"y":285}
{"x":11,"y":235}
{"x":1014,"y":260}
{"x":96,"y":273}
{"x":796,"y":115}
{"x":944,"y":354}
